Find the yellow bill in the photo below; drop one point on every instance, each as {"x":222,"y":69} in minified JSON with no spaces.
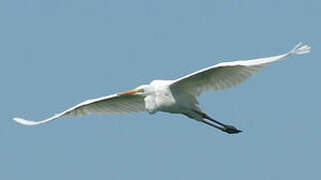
{"x":130,"y":92}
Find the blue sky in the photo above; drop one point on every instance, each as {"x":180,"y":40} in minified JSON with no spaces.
{"x":57,"y":53}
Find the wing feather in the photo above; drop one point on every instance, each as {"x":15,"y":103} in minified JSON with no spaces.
{"x":113,"y":104}
{"x":228,"y":74}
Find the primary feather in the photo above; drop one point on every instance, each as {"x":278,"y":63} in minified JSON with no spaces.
{"x":228,"y":74}
{"x":113,"y":104}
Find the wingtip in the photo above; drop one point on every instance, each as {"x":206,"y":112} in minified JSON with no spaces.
{"x":300,"y":49}
{"x":24,"y":122}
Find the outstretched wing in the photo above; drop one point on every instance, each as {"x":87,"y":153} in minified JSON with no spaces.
{"x":113,"y":104}
{"x":228,"y":74}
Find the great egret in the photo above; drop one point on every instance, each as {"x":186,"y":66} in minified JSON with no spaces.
{"x":176,"y":96}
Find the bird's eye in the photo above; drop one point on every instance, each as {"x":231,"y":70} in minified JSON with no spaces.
{"x":140,"y":90}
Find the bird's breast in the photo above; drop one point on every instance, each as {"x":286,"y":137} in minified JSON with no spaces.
{"x":165,"y":100}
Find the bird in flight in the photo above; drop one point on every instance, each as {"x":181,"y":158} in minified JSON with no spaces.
{"x":176,"y":96}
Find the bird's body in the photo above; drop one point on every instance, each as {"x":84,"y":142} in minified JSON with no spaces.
{"x":166,"y":99}
{"x":176,"y":96}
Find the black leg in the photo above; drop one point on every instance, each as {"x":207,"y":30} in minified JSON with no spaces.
{"x":213,"y":125}
{"x":225,"y":128}
{"x":205,"y":116}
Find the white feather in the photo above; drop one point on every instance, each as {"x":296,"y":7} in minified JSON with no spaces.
{"x":228,"y":74}
{"x":113,"y":104}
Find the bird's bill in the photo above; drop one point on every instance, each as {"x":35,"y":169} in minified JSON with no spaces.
{"x":130,"y":92}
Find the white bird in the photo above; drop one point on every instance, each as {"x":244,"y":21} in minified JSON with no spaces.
{"x":176,"y":96}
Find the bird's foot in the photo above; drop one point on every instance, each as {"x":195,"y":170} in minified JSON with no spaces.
{"x":231,"y":129}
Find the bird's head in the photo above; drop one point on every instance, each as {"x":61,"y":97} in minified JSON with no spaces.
{"x":143,"y":90}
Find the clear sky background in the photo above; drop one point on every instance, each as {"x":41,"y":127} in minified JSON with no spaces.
{"x":57,"y":53}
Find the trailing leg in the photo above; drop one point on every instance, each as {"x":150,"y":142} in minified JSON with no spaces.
{"x":225,"y":128}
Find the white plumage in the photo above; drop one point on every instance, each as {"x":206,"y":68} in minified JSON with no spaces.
{"x":176,"y":96}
